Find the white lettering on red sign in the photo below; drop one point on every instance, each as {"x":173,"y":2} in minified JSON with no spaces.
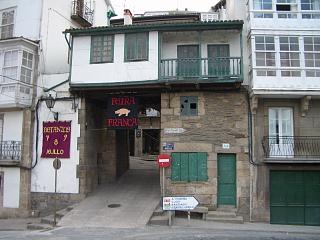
{"x":164,"y":160}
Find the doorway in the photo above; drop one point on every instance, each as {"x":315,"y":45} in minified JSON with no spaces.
{"x":227,"y":179}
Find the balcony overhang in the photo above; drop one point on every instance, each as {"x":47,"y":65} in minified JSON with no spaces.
{"x":159,"y":85}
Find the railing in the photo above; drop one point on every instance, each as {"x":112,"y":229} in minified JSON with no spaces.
{"x":291,"y":147}
{"x":10,"y":150}
{"x":220,"y":67}
{"x":82,"y":8}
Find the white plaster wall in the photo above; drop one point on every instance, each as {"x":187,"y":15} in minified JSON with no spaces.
{"x":286,"y":83}
{"x":100,"y":13}
{"x":27,"y":17}
{"x":42,"y":178}
{"x":12,"y":126}
{"x":236,"y":9}
{"x":11,"y":187}
{"x":169,"y":46}
{"x":56,"y":17}
{"x":118,"y":71}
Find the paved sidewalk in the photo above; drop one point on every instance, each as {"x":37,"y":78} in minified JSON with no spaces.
{"x":260,"y":227}
{"x":16,"y":224}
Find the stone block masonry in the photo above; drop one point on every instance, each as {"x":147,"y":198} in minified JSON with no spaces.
{"x":222,"y":118}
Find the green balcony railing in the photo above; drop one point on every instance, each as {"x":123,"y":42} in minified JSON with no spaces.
{"x":202,"y":68}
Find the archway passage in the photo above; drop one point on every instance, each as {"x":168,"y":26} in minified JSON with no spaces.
{"x":109,"y":173}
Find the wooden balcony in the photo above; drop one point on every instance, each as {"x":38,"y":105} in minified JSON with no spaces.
{"x":220,"y":69}
{"x":289,"y":149}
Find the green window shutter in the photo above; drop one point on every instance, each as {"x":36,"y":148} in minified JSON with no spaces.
{"x":193,"y":167}
{"x":175,"y":166}
{"x":202,"y":166}
{"x":136,"y":47}
{"x":184,"y":168}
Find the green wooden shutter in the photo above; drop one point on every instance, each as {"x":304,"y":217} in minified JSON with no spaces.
{"x":175,"y":167}
{"x":202,"y":166}
{"x":193,"y":167}
{"x":184,"y":168}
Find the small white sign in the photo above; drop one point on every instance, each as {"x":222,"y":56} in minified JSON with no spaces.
{"x":179,"y":203}
{"x":226,"y":145}
{"x":174,"y":130}
{"x":164,"y":160}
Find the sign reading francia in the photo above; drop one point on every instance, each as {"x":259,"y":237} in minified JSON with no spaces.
{"x":179,"y":203}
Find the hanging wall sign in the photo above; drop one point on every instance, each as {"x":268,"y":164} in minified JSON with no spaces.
{"x":56,"y":139}
{"x":122,"y":112}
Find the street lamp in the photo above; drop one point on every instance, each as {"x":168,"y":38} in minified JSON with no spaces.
{"x":50,"y":101}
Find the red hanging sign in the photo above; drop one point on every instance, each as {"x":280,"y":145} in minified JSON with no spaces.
{"x":122,"y":112}
{"x":56,"y":139}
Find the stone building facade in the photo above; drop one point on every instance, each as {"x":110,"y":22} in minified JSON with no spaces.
{"x":222,"y":119}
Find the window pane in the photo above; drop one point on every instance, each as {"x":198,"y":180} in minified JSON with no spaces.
{"x":102,"y":49}
{"x":136,"y":47}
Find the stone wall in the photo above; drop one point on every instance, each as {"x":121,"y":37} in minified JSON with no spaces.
{"x":88,"y":145}
{"x":308,"y":125}
{"x":44,"y":202}
{"x":222,"y":118}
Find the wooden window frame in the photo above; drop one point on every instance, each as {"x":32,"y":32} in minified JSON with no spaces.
{"x":93,"y":48}
{"x":135,"y":38}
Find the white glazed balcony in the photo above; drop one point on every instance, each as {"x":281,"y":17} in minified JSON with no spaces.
{"x":15,"y":94}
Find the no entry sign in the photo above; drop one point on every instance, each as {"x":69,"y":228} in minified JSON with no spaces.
{"x":164,"y":160}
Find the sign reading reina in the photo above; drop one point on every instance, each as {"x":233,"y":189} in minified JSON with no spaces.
{"x":122,"y":112}
{"x":56,"y":139}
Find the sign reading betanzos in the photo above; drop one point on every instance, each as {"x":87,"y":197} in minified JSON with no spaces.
{"x":179,"y":203}
{"x":122,"y":112}
{"x":56,"y":139}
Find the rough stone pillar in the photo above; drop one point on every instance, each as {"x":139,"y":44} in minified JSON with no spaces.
{"x":26,"y":161}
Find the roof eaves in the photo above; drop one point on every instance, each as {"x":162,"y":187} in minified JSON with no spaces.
{"x":218,"y":25}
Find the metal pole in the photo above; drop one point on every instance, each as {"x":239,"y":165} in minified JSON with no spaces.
{"x":163,"y":175}
{"x":55,"y":198}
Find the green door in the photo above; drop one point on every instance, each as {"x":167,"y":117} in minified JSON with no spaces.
{"x":188,"y":61}
{"x":218,"y":60}
{"x":226,"y":179}
{"x":295,"y":197}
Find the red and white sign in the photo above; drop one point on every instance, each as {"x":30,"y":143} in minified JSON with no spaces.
{"x":164,"y":160}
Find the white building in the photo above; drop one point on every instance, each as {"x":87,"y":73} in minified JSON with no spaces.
{"x":283,"y":41}
{"x":34,"y":57}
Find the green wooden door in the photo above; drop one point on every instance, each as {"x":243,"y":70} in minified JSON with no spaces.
{"x":188,"y":61}
{"x":218,"y":60}
{"x":295,"y":197}
{"x":226,"y":179}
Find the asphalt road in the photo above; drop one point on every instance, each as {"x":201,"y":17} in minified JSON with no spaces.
{"x":153,"y":233}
